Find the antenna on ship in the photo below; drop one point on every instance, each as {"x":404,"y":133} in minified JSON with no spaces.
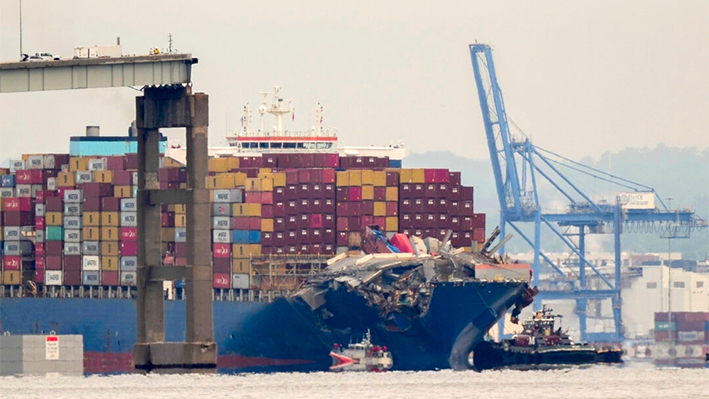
{"x":318,"y":121}
{"x":246,"y":119}
{"x":262,"y":111}
{"x":278,"y":110}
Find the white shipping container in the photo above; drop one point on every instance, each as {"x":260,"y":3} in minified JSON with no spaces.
{"x":108,"y":51}
{"x":128,"y":278}
{"x":83,"y":177}
{"x":72,"y":222}
{"x":129,"y":263}
{"x":50,"y":161}
{"x":24,"y":190}
{"x":129,"y":219}
{"x":35,"y":189}
{"x":7,"y":192}
{"x":11,"y":233}
{"x":72,"y":248}
{"x":74,"y":196}
{"x":90,"y":248}
{"x":97,"y":164}
{"x":52,"y":184}
{"x":72,"y":235}
{"x":39,"y":236}
{"x":221,"y":236}
{"x":135,"y":178}
{"x":91,"y":278}
{"x":35,"y":162}
{"x":12,"y":248}
{"x":91,"y":262}
{"x":72,"y":209}
{"x":221,"y":209}
{"x":240,"y":281}
{"x":53,"y":277}
{"x":39,"y":210}
{"x":16,"y":164}
{"x":221,"y":222}
{"x":129,"y":205}
{"x":180,"y":234}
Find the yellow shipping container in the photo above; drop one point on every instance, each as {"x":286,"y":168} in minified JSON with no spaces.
{"x":253,"y":184}
{"x":92,"y":219}
{"x":367,"y":177}
{"x":172,"y":163}
{"x":182,"y":186}
{"x":380,"y":178}
{"x":218,"y":165}
{"x":180,"y":220}
{"x":246,"y":209}
{"x":240,"y":179}
{"x":232,"y":163}
{"x":11,"y":277}
{"x":406,"y":176}
{"x":110,"y":218}
{"x":380,"y":208}
{"x":267,"y":184}
{"x":392,"y":194}
{"x":240,"y":265}
{"x":355,"y":177}
{"x":122,"y":191}
{"x":279,"y":179}
{"x":77,"y":164}
{"x":264,"y":170}
{"x":343,"y":179}
{"x":91,"y":233}
{"x":66,"y":179}
{"x":367,"y":192}
{"x":110,"y":263}
{"x":240,"y":250}
{"x":54,"y":219}
{"x":266,"y":224}
{"x":1,"y":227}
{"x":102,"y":176}
{"x":221,"y":181}
{"x":167,"y":234}
{"x":418,"y":176}
{"x":255,"y":249}
{"x":392,"y":224}
{"x":180,"y":208}
{"x":110,"y":233}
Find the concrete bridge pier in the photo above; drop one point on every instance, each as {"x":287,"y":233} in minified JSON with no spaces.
{"x":169,"y":107}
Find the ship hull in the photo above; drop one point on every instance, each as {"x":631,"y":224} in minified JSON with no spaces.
{"x":285,"y":335}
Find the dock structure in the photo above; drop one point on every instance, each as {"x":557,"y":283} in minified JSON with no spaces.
{"x":167,"y":102}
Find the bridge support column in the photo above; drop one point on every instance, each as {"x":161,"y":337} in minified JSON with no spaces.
{"x":169,"y":107}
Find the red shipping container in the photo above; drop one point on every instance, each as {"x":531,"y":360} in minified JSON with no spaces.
{"x":466,"y":193}
{"x":392,"y":179}
{"x":442,"y":175}
{"x":169,"y":175}
{"x":304,"y":221}
{"x":181,"y":249}
{"x":39,"y":262}
{"x":454,"y":178}
{"x":116,"y":162}
{"x":23,"y":177}
{"x":11,"y":263}
{"x":109,"y":278}
{"x":39,"y":249}
{"x":53,"y":247}
{"x":39,"y":223}
{"x":292,"y":177}
{"x":406,"y":190}
{"x":328,"y":205}
{"x":73,"y":262}
{"x":53,"y":262}
{"x":254,"y":223}
{"x":355,"y":193}
{"x":454,"y":223}
{"x":454,"y":193}
{"x":97,"y":190}
{"x":328,"y":221}
{"x":454,"y":207}
{"x":379,"y":221}
{"x":431,"y":190}
{"x":267,"y":211}
{"x":279,"y":224}
{"x":343,"y":208}
{"x":478,"y":221}
{"x":342,"y":238}
{"x":417,"y":221}
{"x":365,"y":208}
{"x":466,"y":208}
{"x":221,"y":265}
{"x":380,"y":193}
{"x":333,"y":160}
{"x":129,"y":234}
{"x":252,"y":197}
{"x":267,"y":197}
{"x":39,"y":197}
{"x":479,"y":235}
{"x":167,"y":219}
{"x":342,"y":223}
{"x":240,"y":223}
{"x":442,"y":205}
{"x":291,"y":222}
{"x":417,"y":190}
{"x":131,"y":161}
{"x":354,"y":209}
{"x":442,"y":189}
{"x":221,"y":250}
{"x":292,"y":208}
{"x":342,"y":194}
{"x":328,"y":191}
{"x":129,"y":249}
{"x":39,"y":276}
{"x":392,"y":208}
{"x":72,"y":277}
{"x":304,"y":176}
{"x":12,"y":204}
{"x":367,"y":220}
{"x":328,"y":175}
{"x":429,"y":175}
{"x":122,"y":178}
{"x":406,"y":221}
{"x":279,"y":194}
{"x":92,"y":204}
{"x":316,"y":205}
{"x":266,"y":239}
{"x":279,"y":209}
{"x":18,"y":218}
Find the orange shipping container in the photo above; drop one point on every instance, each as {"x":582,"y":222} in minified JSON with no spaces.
{"x":110,"y":263}
{"x":102,"y":176}
{"x":77,"y":164}
{"x":92,"y":219}
{"x":11,"y":277}
{"x":180,"y":208}
{"x":240,"y":265}
{"x":367,"y":192}
{"x":110,"y":233}
{"x":110,"y":218}
{"x":246,"y":209}
{"x":66,"y":179}
{"x":110,"y":248}
{"x":122,"y":191}
{"x":266,"y":224}
{"x":91,"y":233}
{"x":54,"y":219}
{"x":240,"y":250}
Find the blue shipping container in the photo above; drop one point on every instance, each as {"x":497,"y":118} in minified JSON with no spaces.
{"x":240,"y":236}
{"x":254,"y":237}
{"x":7,"y":181}
{"x":180,"y":284}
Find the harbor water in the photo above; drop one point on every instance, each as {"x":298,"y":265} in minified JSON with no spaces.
{"x":603,"y":382}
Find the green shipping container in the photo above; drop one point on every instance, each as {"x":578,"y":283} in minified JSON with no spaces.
{"x":665,"y":326}
{"x":54,"y":233}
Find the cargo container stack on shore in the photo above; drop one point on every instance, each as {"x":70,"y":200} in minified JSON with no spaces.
{"x":681,"y":338}
{"x":80,"y":213}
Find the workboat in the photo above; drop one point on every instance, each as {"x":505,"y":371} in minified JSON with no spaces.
{"x":361,"y":356}
{"x":540,"y":346}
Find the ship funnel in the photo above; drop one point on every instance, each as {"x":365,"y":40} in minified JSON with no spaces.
{"x":93,"y":131}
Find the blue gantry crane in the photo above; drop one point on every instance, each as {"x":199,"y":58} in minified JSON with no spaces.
{"x":519,"y":168}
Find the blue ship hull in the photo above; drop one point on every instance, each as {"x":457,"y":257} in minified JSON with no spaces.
{"x":285,"y":335}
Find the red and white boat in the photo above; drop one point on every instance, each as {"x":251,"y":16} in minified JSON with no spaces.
{"x":361,"y":356}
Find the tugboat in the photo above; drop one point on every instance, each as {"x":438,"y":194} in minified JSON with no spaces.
{"x":361,"y":356}
{"x":540,"y":346}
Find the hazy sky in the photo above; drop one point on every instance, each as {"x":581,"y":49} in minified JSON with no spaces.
{"x":580,"y":77}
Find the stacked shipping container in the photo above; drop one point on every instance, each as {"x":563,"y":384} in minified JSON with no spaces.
{"x":83,"y":211}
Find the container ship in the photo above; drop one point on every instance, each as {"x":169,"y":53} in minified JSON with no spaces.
{"x":283,"y":206}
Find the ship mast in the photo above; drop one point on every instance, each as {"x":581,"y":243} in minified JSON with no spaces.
{"x":246,"y":120}
{"x":318,"y":121}
{"x":278,"y":109}
{"x":262,"y":112}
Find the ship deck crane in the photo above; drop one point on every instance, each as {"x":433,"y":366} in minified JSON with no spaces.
{"x":519,"y":167}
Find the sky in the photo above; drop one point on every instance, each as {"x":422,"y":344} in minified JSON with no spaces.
{"x":580,"y":78}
